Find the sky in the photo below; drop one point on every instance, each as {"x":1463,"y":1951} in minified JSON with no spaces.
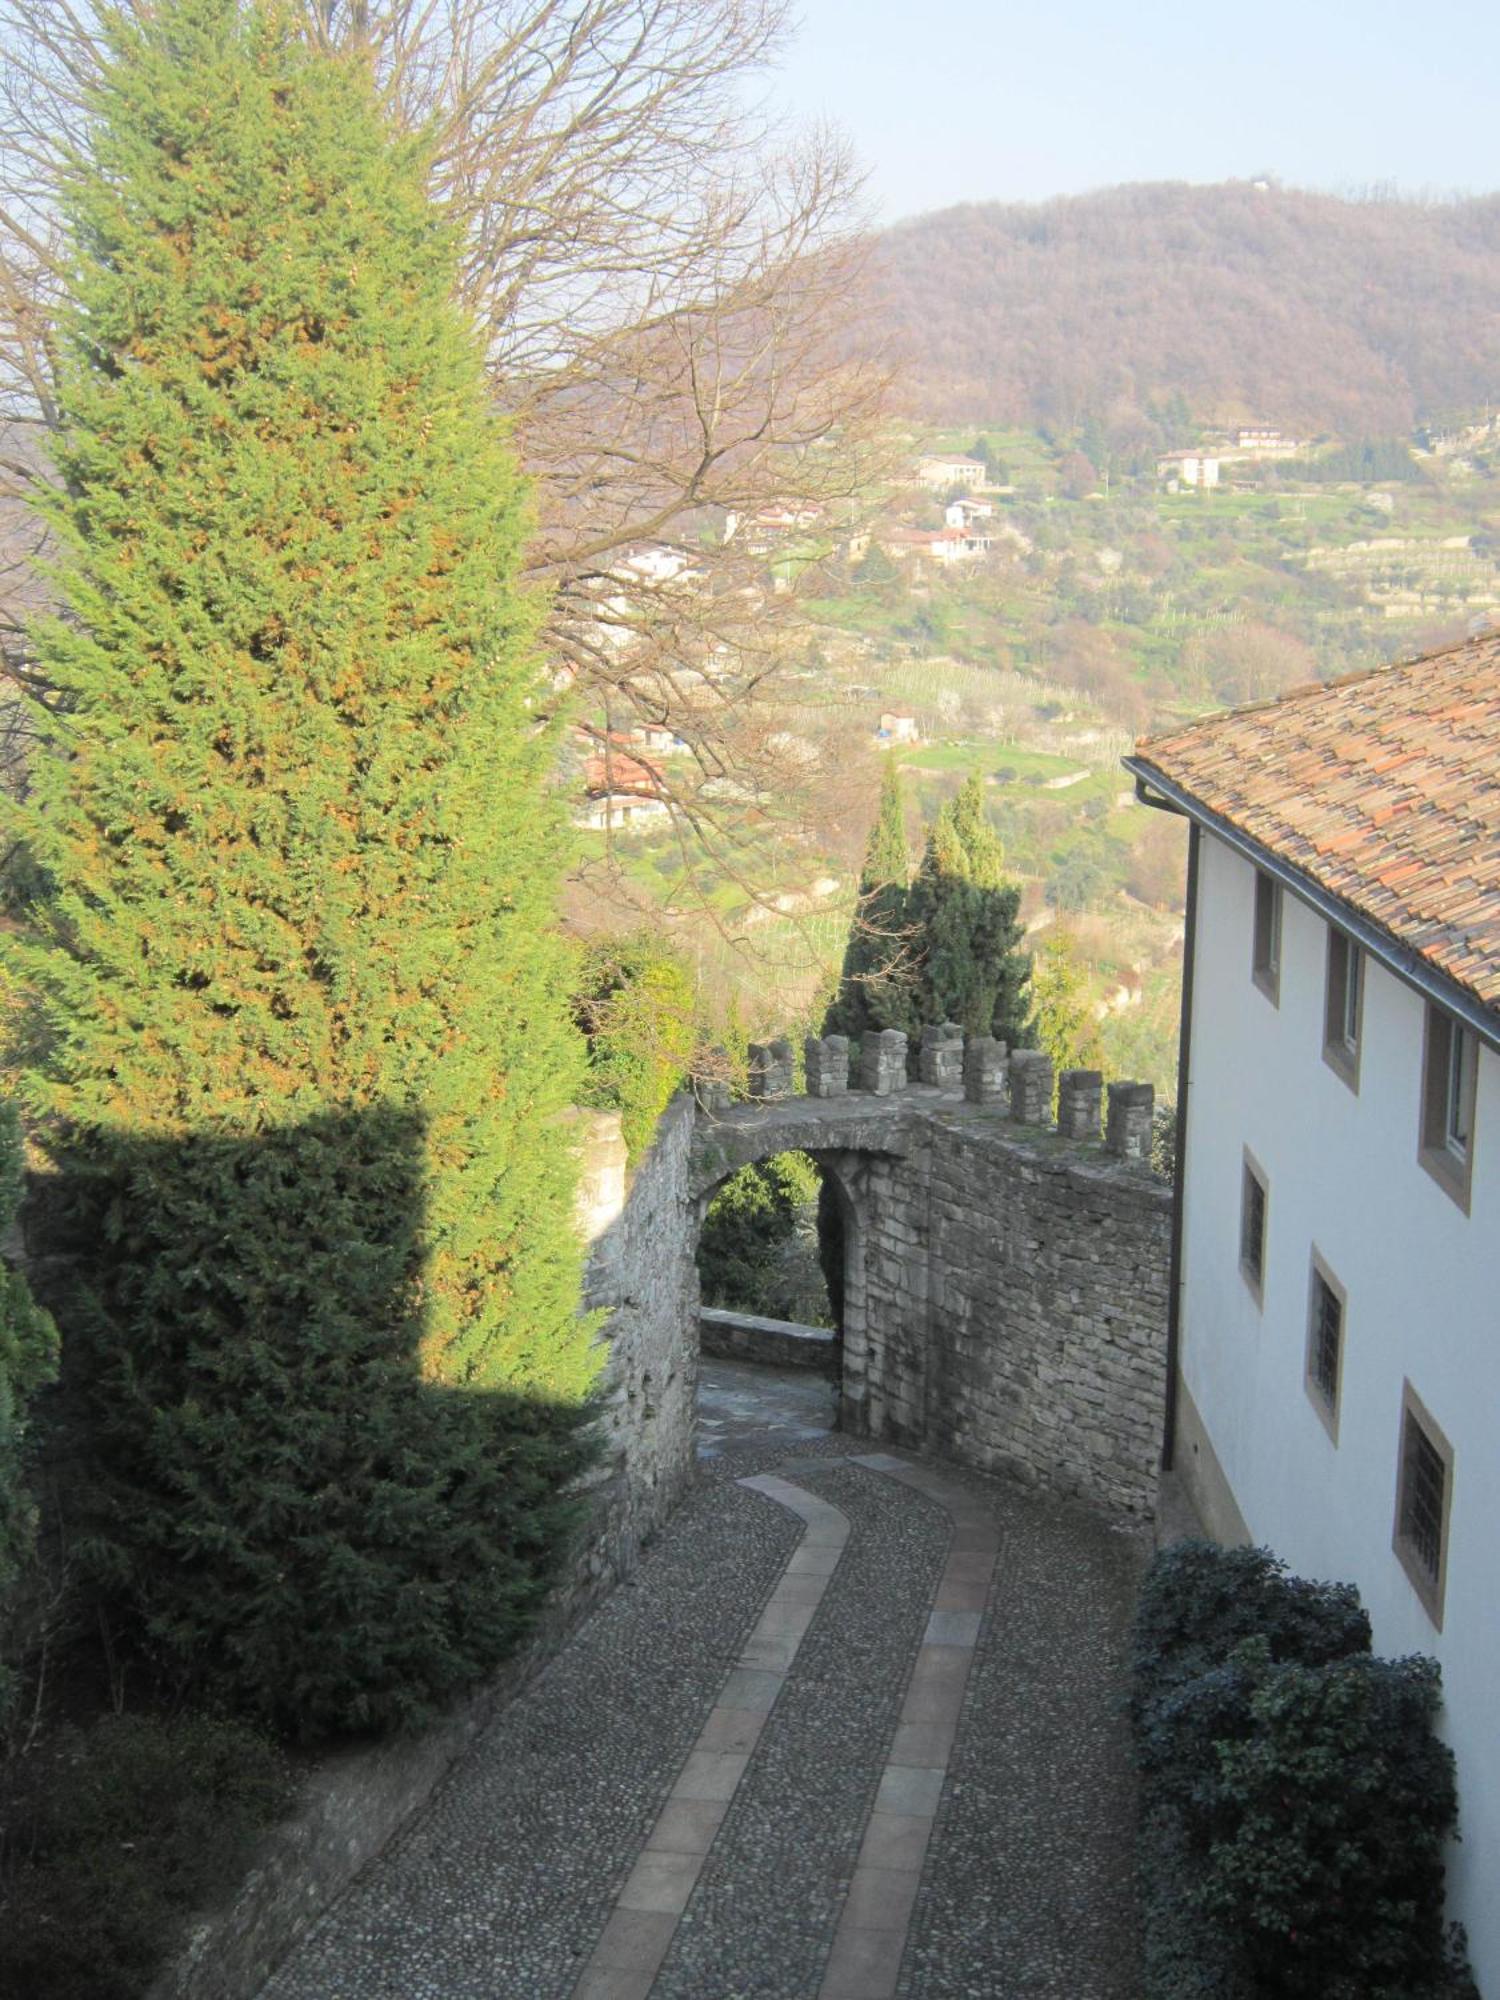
{"x":985,"y":100}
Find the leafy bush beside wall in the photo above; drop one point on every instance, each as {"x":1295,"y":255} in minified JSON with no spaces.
{"x":636,"y":1004}
{"x":1295,"y":1796}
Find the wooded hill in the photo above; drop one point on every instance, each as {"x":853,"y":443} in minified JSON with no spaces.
{"x":1240,"y":302}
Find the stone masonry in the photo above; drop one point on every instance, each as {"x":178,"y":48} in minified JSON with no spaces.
{"x":1005,"y":1285}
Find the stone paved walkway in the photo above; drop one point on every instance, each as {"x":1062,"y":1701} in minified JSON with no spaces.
{"x":851,"y":1733}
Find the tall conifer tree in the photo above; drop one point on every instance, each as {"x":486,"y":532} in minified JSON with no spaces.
{"x":966,"y":917}
{"x":874,"y":980}
{"x":298,"y":961}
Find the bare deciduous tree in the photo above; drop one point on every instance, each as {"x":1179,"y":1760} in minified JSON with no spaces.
{"x":665,"y":288}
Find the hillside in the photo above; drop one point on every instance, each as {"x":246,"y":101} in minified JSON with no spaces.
{"x":1241,"y":302}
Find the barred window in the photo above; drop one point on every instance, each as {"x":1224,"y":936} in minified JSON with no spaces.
{"x":1424,"y":1491}
{"x":1325,"y":1344}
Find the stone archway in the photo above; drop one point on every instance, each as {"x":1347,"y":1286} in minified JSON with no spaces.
{"x":859,"y":1141}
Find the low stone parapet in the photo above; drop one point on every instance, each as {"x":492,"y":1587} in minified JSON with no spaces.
{"x":773,"y":1343}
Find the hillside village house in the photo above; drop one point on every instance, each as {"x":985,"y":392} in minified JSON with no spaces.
{"x":1190,"y":468}
{"x":949,"y":469}
{"x":1336,"y":1306}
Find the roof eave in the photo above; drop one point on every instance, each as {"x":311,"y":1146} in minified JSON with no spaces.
{"x":1407,"y":964}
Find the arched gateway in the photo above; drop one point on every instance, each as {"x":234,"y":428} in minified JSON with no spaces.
{"x":1006,"y":1276}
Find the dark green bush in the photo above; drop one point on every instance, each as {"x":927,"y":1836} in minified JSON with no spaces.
{"x":757,"y":1251}
{"x":1336,"y":1804}
{"x":111,"y":1836}
{"x":28,"y":1360}
{"x":1295,"y":1798}
{"x":1199,"y":1600}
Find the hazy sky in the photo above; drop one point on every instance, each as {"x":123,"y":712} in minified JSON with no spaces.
{"x":978,"y":100}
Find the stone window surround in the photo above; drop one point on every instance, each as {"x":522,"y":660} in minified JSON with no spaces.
{"x":1321,"y":1279}
{"x":1428,"y":1584}
{"x":1449,"y":1164}
{"x":1253,"y":1270}
{"x":1341,"y":1051}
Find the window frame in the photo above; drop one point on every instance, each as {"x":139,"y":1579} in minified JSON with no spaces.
{"x":1321,"y":1279}
{"x":1341,"y":1050}
{"x":1450,"y":1080}
{"x":1430,"y":1586}
{"x":1265,"y":936}
{"x":1254,"y":1274}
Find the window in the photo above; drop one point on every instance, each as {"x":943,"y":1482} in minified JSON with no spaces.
{"x":1325,"y":1344}
{"x":1343,"y":1007}
{"x":1265,"y":958}
{"x":1253,"y":1228}
{"x":1424,"y":1490}
{"x":1449,"y":1076}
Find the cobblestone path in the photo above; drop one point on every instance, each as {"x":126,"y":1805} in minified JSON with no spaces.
{"x":851,"y":1733}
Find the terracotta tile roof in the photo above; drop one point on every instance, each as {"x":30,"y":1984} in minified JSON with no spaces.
{"x":1383,"y":789}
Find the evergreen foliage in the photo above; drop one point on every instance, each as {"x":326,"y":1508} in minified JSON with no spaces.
{"x":874,"y":981}
{"x":636,"y":1005}
{"x":305,"y":999}
{"x":755,"y":1250}
{"x":28,"y":1360}
{"x":1296,"y":1798}
{"x":965,"y":915}
{"x":1065,"y":1023}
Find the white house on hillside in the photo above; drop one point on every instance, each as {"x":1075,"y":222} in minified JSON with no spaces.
{"x":949,"y":469}
{"x":1336,"y":1299}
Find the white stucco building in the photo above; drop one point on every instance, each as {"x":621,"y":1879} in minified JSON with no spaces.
{"x":1336,"y":1320}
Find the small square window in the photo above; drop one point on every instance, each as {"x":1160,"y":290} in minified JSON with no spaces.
{"x":1253,"y":1211}
{"x":1265,"y":957}
{"x":1343,"y":1007}
{"x":1449,"y":1077}
{"x":1325,"y":1344}
{"x":1424,"y":1494}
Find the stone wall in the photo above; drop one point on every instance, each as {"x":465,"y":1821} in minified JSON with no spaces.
{"x":1005,"y":1284}
{"x":772,"y":1343}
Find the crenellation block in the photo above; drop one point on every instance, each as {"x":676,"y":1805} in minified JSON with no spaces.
{"x":772,"y":1068}
{"x":986,"y":1071}
{"x":1128,"y":1127}
{"x":1080,"y":1097}
{"x":940,"y":1059}
{"x":826,"y":1062}
{"x":882,"y":1062}
{"x":1031,"y":1086}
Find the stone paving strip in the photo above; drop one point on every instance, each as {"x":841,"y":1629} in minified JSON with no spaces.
{"x":649,"y":1907}
{"x":762,"y":1919}
{"x":865,"y":1963}
{"x":501,"y":1887}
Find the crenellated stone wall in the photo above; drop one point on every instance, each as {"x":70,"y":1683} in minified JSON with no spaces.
{"x":1005,"y":1286}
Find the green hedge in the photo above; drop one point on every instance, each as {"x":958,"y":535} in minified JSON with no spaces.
{"x":1295,"y":1797}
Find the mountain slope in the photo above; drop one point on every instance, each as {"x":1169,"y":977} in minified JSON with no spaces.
{"x":1358,"y":317}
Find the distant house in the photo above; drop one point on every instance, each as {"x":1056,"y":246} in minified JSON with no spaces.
{"x":938,"y":545}
{"x":653,"y":736}
{"x":620,"y":789}
{"x":1333,"y":1331}
{"x":1261,"y":441}
{"x":964,"y":513}
{"x":945,"y":470}
{"x":898,"y":725}
{"x":1191,"y":468}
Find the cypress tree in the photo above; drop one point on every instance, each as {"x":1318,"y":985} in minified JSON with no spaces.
{"x":307,"y":1029}
{"x":874,"y":980}
{"x":966,"y":916}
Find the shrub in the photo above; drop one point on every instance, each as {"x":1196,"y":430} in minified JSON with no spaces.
{"x":1338,"y":1800}
{"x":110,"y":1836}
{"x":28,"y":1360}
{"x":1295,"y":1797}
{"x":636,"y":1005}
{"x":1199,"y":1600}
